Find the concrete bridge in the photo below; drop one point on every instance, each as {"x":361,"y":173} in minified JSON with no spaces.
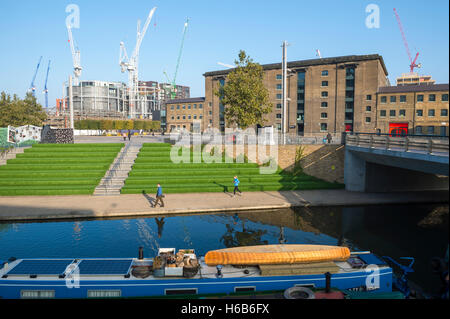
{"x":382,"y":163}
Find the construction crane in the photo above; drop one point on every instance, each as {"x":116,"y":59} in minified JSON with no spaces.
{"x":131,"y":64}
{"x":45,"y":86}
{"x":173,"y":88}
{"x":318,"y":54}
{"x":32,"y":88}
{"x":75,"y":56}
{"x":413,"y":62}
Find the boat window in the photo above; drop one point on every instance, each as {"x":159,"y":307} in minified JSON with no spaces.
{"x":244,"y":289}
{"x":186,"y":291}
{"x":37,"y":294}
{"x":104,"y":293}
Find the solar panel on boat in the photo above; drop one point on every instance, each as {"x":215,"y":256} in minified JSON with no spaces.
{"x":105,"y":266}
{"x":41,"y":267}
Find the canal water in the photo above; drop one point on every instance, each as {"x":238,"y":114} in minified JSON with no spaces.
{"x":419,"y":231}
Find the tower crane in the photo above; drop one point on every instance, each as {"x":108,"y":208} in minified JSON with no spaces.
{"x":413,"y":62}
{"x":32,"y":87}
{"x":173,"y":89}
{"x":75,"y":56}
{"x":131,"y":64}
{"x":45,"y":86}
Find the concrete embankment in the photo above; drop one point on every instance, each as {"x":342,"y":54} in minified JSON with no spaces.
{"x":30,"y":208}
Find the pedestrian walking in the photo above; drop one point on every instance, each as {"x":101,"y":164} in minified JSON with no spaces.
{"x":129,"y":135}
{"x":159,"y":196}
{"x":329,"y":138}
{"x":236,"y":186}
{"x":124,"y":135}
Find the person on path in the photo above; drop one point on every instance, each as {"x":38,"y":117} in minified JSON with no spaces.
{"x":129,"y":135}
{"x":236,"y":186}
{"x":329,"y":138}
{"x":159,"y":196}
{"x":124,"y":135}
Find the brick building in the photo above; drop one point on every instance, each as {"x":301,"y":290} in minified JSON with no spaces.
{"x":183,"y":113}
{"x":413,"y":109}
{"x":324,"y":95}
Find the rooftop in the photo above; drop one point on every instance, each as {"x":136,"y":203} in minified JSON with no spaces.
{"x":189,"y":100}
{"x":313,"y":62}
{"x":413,"y":88}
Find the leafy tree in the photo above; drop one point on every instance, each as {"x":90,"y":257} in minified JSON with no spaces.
{"x":17,"y":112}
{"x":106,"y":125}
{"x":129,"y":124}
{"x":244,"y":95}
{"x":119,"y":125}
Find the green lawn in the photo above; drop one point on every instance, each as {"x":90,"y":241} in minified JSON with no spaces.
{"x":153,"y":166}
{"x":57,"y":169}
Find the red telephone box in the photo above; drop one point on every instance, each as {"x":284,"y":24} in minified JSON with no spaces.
{"x":398,"y":129}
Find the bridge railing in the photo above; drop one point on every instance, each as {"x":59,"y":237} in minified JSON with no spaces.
{"x":438,"y":145}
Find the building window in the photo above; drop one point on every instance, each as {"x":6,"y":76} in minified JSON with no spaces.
{"x":402,"y":98}
{"x":210,"y":104}
{"x":210,"y":112}
{"x":279,"y":106}
{"x":324,"y":94}
{"x":189,"y":117}
{"x":325,"y":73}
{"x":383,"y":113}
{"x":444,"y":112}
{"x":432,"y":97}
{"x":444,"y":97}
{"x":195,"y":117}
{"x":200,"y":106}
{"x":420,"y":98}
{"x":184,"y":117}
{"x":279,"y":116}
{"x":324,"y":83}
{"x":279,"y":77}
{"x":430,"y":129}
{"x":178,"y":107}
{"x":200,"y":116}
{"x":173,"y":118}
{"x":323,"y":115}
{"x":37,"y":294}
{"x":324,"y":104}
{"x":392,"y":113}
{"x":172,"y":107}
{"x":278,"y":86}
{"x":443,"y":131}
{"x":368,"y":108}
{"x":431,"y":112}
{"x":189,"y":107}
{"x":184,"y":107}
{"x":195,"y":106}
{"x":419,"y":112}
{"x":402,"y":113}
{"x":369,"y":97}
{"x":279,"y":96}
{"x":178,"y":117}
{"x":383,"y":99}
{"x":393,"y":99}
{"x":323,"y":127}
{"x":368,"y":119}
{"x":418,"y":129}
{"x":279,"y":127}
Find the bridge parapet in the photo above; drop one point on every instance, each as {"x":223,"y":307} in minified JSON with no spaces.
{"x":436,"y":145}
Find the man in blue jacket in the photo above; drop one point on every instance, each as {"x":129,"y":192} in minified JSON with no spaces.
{"x":159,"y":196}
{"x":236,"y":184}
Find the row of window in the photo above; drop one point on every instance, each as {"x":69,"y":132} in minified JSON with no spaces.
{"x":420,"y":98}
{"x":323,"y":73}
{"x":200,"y":106}
{"x":419,"y":113}
{"x":189,"y":117}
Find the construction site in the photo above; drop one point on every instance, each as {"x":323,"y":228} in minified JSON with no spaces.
{"x":95,"y":99}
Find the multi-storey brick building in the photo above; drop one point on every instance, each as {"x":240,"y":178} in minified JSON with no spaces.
{"x":324,"y":95}
{"x":183,"y":113}
{"x":413,"y":109}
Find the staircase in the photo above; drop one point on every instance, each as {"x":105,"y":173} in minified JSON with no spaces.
{"x":115,"y":177}
{"x":11,"y":154}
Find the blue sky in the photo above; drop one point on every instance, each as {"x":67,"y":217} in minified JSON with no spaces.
{"x":217,"y":31}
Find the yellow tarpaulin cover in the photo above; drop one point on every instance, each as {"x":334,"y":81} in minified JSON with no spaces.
{"x":276,"y":254}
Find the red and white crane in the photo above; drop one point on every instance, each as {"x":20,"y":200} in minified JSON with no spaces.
{"x":413,"y":62}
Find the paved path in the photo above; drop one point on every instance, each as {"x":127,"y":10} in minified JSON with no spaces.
{"x":82,"y":206}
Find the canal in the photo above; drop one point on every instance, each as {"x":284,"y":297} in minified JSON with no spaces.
{"x":419,"y":231}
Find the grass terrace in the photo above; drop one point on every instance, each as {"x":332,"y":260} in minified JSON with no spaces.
{"x":153,"y":165}
{"x":57,"y":169}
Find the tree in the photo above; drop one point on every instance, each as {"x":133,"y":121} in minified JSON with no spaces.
{"x":244,"y":95}
{"x":17,"y":112}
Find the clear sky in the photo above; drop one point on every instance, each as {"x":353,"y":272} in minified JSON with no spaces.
{"x":216,"y":33}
